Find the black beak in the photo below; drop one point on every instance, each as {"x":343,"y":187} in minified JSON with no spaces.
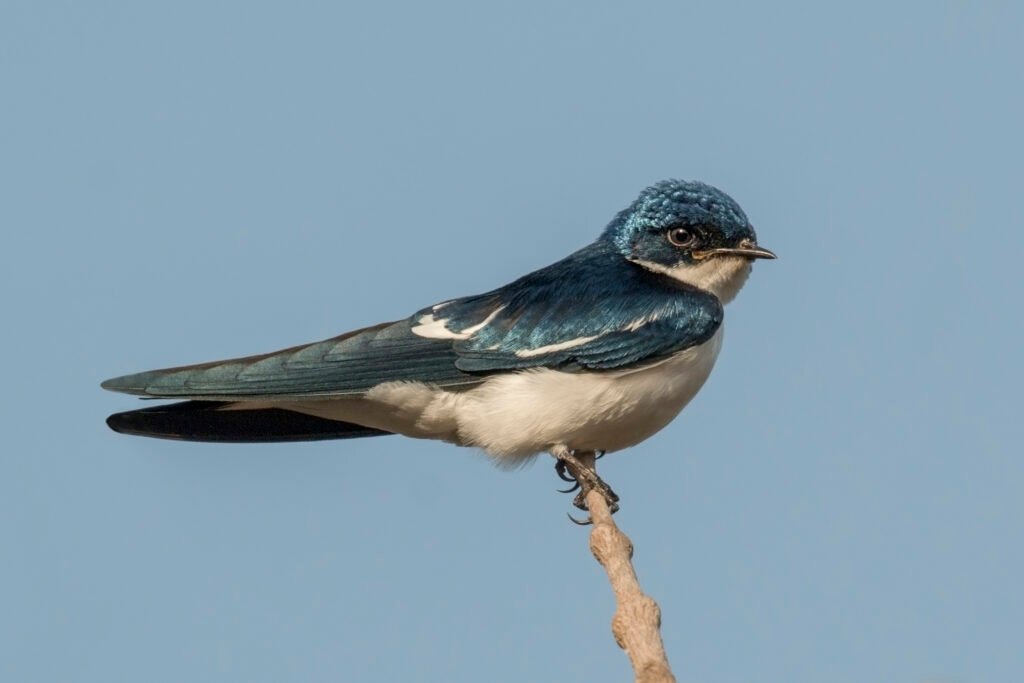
{"x":746,"y":249}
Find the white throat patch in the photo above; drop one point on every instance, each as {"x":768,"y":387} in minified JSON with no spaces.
{"x":723,"y":276}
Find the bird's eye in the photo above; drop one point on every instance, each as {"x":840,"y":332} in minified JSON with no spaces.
{"x":682,"y":237}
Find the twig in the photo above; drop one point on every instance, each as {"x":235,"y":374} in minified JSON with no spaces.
{"x":637,"y":621}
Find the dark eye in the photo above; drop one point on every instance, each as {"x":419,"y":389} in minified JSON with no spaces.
{"x":682,"y":237}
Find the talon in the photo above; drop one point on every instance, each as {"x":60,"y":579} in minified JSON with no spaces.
{"x":585,"y":522}
{"x":584,"y":480}
{"x":560,"y":468}
{"x":610,"y":495}
{"x":599,"y":454}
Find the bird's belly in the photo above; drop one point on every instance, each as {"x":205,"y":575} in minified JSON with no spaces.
{"x":517,"y":415}
{"x":514,"y":416}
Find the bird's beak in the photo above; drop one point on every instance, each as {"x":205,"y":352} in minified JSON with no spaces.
{"x":746,"y":249}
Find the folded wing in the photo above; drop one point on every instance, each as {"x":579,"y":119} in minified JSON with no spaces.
{"x":575,"y":315}
{"x":592,"y":311}
{"x":347,"y":365}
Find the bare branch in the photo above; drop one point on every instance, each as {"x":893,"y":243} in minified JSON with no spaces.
{"x":637,"y":621}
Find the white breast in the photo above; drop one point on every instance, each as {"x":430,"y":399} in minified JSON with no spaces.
{"x":517,"y":415}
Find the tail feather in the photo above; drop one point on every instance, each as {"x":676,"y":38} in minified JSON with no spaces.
{"x":209,"y":421}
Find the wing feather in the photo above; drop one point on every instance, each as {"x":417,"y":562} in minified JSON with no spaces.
{"x":591,"y":311}
{"x":347,"y":365}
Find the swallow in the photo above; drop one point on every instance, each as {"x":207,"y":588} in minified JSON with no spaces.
{"x":593,"y":353}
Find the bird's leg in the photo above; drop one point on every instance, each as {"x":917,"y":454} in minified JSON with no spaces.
{"x":579,"y":469}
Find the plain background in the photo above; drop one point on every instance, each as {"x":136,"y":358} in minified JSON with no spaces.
{"x":184,"y":181}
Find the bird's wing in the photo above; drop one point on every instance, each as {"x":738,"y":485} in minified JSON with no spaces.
{"x":456,"y":343}
{"x":602,"y":330}
{"x":591,"y":311}
{"x":350,"y":364}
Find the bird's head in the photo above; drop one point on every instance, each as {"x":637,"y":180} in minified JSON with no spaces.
{"x":691,"y":232}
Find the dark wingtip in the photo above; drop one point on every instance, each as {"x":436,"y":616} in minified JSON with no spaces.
{"x":114,"y":423}
{"x":131,"y":422}
{"x":204,"y":421}
{"x":121,"y":423}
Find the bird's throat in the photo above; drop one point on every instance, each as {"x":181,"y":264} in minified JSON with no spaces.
{"x":722,"y":276}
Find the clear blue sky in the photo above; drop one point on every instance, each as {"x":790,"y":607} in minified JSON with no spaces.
{"x":188,"y":180}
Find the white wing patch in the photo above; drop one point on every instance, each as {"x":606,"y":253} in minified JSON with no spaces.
{"x":579,"y":341}
{"x":551,"y":348}
{"x":640,"y":322}
{"x":436,"y":328}
{"x":470,"y":331}
{"x":432,"y":328}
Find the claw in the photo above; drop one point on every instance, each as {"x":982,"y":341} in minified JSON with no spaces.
{"x":560,"y":468}
{"x":584,"y":480}
{"x":584,"y":522}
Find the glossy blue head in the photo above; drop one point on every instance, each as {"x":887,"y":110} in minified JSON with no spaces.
{"x":691,"y":231}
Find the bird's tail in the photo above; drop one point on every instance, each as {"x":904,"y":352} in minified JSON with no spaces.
{"x":227,"y":422}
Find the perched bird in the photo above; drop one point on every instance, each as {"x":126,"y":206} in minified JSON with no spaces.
{"x":596,"y":352}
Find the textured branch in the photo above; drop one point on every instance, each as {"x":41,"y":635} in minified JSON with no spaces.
{"x":637,"y":621}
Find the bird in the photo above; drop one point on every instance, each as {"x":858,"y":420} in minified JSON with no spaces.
{"x":591,"y":354}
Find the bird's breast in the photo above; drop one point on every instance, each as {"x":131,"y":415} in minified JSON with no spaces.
{"x":513,"y":416}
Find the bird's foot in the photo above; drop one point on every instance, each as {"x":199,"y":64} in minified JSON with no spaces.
{"x":584,"y":478}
